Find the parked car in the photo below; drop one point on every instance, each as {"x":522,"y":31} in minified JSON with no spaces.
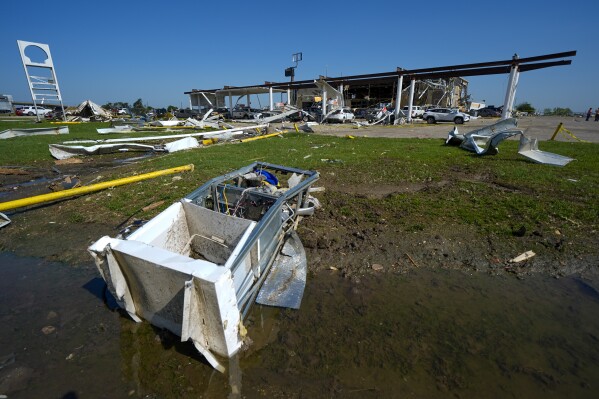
{"x":488,"y":112}
{"x":341,"y":115}
{"x":186,"y":113}
{"x":435,"y":115}
{"x":32,"y":110}
{"x":246,"y":113}
{"x":417,"y":111}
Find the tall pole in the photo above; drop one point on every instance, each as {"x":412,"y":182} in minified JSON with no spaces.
{"x":510,"y":89}
{"x":411,"y":99}
{"x":398,"y":99}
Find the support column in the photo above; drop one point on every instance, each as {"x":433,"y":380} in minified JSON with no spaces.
{"x":270,"y":107}
{"x":342,"y":99}
{"x":398,"y":99}
{"x":513,"y":97}
{"x":247,"y":100}
{"x":230,"y":106}
{"x":411,"y":99}
{"x":289,"y":97}
{"x":511,"y":90}
{"x":324,"y":102}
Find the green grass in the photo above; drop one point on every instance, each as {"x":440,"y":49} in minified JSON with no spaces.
{"x":492,"y":192}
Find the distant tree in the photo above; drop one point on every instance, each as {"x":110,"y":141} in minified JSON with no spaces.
{"x":108,"y":106}
{"x":138,"y":107}
{"x":562,"y":111}
{"x":171,"y":108}
{"x":558,"y":111}
{"x":525,"y":107}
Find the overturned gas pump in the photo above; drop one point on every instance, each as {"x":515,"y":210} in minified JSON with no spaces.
{"x":197,"y":267}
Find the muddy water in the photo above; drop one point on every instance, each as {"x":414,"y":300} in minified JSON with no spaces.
{"x":423,"y":334}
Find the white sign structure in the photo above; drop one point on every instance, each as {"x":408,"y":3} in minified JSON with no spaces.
{"x":41,"y":76}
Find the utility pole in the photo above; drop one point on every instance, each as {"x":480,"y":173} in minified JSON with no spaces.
{"x":296,"y":58}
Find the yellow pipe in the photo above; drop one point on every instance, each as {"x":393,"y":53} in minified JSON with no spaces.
{"x":262,"y":137}
{"x":89,"y":189}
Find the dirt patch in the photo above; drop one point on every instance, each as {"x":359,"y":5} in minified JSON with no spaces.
{"x":356,"y":232}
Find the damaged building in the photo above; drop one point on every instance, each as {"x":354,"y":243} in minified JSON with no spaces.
{"x":445,"y":86}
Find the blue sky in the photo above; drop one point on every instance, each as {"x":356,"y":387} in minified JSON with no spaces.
{"x":125,"y":50}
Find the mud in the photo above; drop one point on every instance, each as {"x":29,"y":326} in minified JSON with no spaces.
{"x":425,"y":333}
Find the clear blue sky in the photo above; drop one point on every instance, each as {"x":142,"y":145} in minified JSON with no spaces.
{"x":124,"y":50}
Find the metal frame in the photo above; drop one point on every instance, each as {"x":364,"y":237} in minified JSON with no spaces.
{"x":41,"y":88}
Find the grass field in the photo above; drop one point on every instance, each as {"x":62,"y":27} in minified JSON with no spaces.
{"x":444,"y":185}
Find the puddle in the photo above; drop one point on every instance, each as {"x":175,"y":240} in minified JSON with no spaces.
{"x":425,"y":334}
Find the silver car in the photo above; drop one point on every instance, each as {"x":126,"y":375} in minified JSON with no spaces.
{"x":435,"y":115}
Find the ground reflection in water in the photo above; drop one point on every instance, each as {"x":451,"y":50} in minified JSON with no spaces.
{"x":422,"y":334}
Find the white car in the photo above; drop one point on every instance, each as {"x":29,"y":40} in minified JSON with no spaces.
{"x":435,"y":115}
{"x":341,"y":115}
{"x":417,"y":111}
{"x":31,"y":110}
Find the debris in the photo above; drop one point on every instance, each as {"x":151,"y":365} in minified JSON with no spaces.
{"x":4,"y":220}
{"x":350,"y":137}
{"x":182,"y":144}
{"x":48,"y":330}
{"x":565,"y":132}
{"x":92,"y":111}
{"x":377,"y":267}
{"x":37,"y":131}
{"x":67,"y":183}
{"x":61,"y":151}
{"x":484,"y":141}
{"x":265,"y":136}
{"x":199,"y":265}
{"x":522,"y":257}
{"x":70,"y":357}
{"x":152,"y":206}
{"x":332,"y":160}
{"x":530,"y":149}
{"x":89,"y":189}
{"x":411,"y":260}
{"x":116,"y":129}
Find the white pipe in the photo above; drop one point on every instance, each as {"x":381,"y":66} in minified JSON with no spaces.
{"x":271,"y":107}
{"x":508,"y":93}
{"x":398,"y":99}
{"x":288,"y":96}
{"x":513,"y":97}
{"x":324,"y":101}
{"x":411,"y":99}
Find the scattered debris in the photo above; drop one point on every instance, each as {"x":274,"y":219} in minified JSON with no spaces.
{"x":201,"y":263}
{"x":484,"y":141}
{"x":9,"y":133}
{"x":67,"y":183}
{"x":60,"y":151}
{"x":91,"y":111}
{"x":377,"y":267}
{"x":522,"y":257}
